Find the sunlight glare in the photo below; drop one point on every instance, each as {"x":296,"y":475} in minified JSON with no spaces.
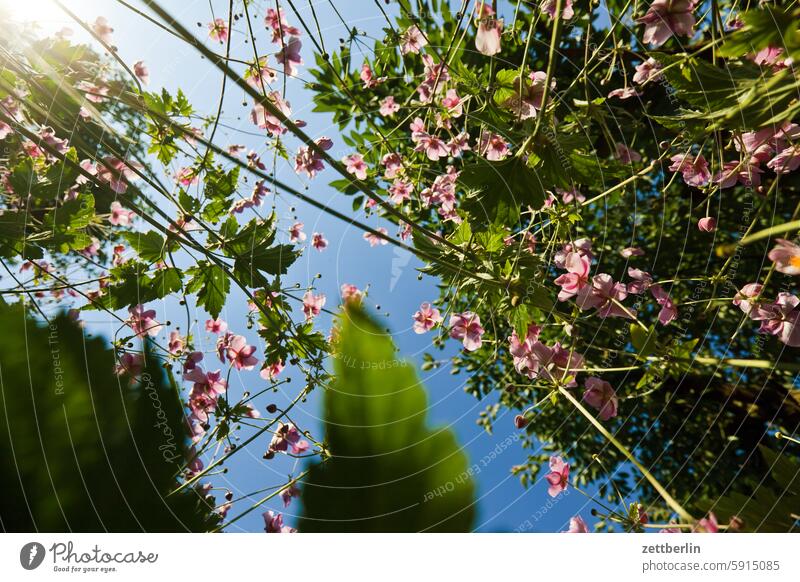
{"x":44,"y":13}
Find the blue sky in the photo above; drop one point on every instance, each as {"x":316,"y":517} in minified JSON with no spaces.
{"x":389,"y":272}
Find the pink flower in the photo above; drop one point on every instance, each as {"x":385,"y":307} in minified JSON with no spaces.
{"x":389,"y":107}
{"x":218,"y":30}
{"x":602,"y":397}
{"x":393,"y":163}
{"x":216,"y":326}
{"x":665,"y":18}
{"x":694,"y":169}
{"x":296,"y":233}
{"x":318,"y":241}
{"x":781,"y":319}
{"x":492,"y":146}
{"x":459,"y":144}
{"x":287,"y":436}
{"x":143,"y":322}
{"x":746,"y":174}
{"x":116,"y":174}
{"x":632,"y":252}
{"x":525,"y":353}
{"x":374,"y":240}
{"x":604,"y":295}
{"x":351,"y":293}
{"x":707,"y":525}
{"x":94,"y":93}
{"x":368,"y":78}
{"x":186,"y":177}
{"x":668,"y":311}
{"x":140,"y":70}
{"x":549,"y":8}
{"x":426,"y":318}
{"x":310,"y":161}
{"x":240,"y":353}
{"x":788,"y":160}
{"x":417,"y":128}
{"x":176,"y":343}
{"x":641,"y":283}
{"x":571,"y":195}
{"x":266,"y":120}
{"x":312,"y":304}
{"x":707,"y":224}
{"x":355,"y":164}
{"x":626,"y":155}
{"x":202,"y":400}
{"x":487,"y":40}
{"x":210,"y":382}
{"x":576,"y":277}
{"x":102,"y":29}
{"x":119,"y":215}
{"x":276,"y":20}
{"x":412,"y":40}
{"x":273,"y":523}
{"x":452,"y":102}
{"x":400,"y":191}
{"x":746,"y":298}
{"x":759,"y":145}
{"x":623,"y":93}
{"x":558,"y":477}
{"x":467,"y":328}
{"x":771,"y":56}
{"x":433,"y":147}
{"x":647,"y":70}
{"x":259,"y":74}
{"x":269,"y":371}
{"x":191,"y":362}
{"x":118,"y":258}
{"x":786,"y":256}
{"x":577,"y":525}
{"x":289,"y":56}
{"x":131,"y":364}
{"x":254,"y":161}
{"x":287,"y":493}
{"x":582,"y":246}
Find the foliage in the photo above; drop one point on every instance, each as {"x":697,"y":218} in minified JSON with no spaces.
{"x":83,"y":449}
{"x":387,"y":471}
{"x":597,"y":193}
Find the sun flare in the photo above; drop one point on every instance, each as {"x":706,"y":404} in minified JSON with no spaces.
{"x":43,"y":13}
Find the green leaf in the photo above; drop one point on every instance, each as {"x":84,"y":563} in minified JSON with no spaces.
{"x":68,"y":222}
{"x":211,"y":284}
{"x":644,"y":341}
{"x":773,"y":505}
{"x":164,"y":282}
{"x":497,"y":190}
{"x":149,"y":245}
{"x":389,"y":471}
{"x":252,"y":251}
{"x":767,"y":26}
{"x":104,"y":436}
{"x":219,"y":189}
{"x":520,"y":319}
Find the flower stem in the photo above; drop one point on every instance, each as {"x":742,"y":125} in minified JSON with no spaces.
{"x":677,"y":507}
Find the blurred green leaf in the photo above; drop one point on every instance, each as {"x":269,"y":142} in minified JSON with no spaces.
{"x":389,"y":471}
{"x":82,"y":449}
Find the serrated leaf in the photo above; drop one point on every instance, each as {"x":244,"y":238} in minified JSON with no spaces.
{"x":148,"y":245}
{"x":212,"y":285}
